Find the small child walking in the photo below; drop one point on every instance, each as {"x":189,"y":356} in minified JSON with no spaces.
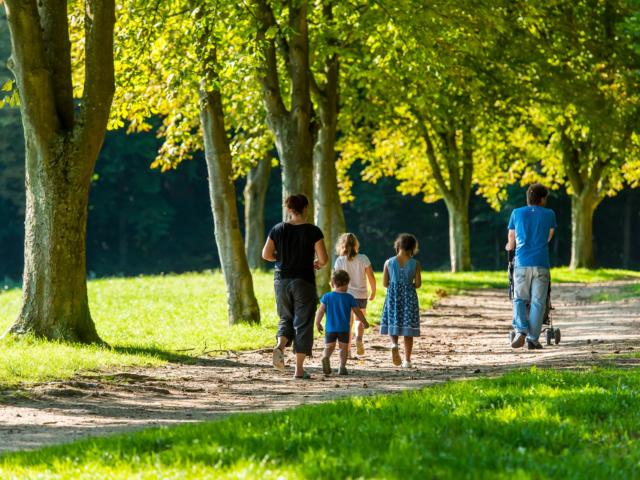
{"x":338,"y":305}
{"x":358,"y":266}
{"x":401,"y":312}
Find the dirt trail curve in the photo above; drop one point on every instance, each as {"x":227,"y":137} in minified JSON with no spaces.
{"x":464,"y":336}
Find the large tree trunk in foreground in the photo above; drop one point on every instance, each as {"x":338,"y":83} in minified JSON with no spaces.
{"x":459,"y":244}
{"x":62,"y":146}
{"x":55,"y":303}
{"x":242,"y":303}
{"x":293,"y":126}
{"x":255,"y":193}
{"x":582,"y":209}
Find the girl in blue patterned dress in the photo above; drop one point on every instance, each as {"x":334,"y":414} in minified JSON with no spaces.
{"x":401,"y":313}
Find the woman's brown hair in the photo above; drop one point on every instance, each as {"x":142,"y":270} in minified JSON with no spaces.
{"x":406,"y":242}
{"x":296,"y":203}
{"x":347,"y":245}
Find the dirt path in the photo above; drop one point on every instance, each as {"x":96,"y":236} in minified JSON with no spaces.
{"x":464,"y":336}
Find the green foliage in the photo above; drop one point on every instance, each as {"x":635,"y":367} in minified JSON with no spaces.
{"x":528,"y":424}
{"x":171,"y":51}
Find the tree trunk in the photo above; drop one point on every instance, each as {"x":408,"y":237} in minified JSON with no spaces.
{"x":62,"y":143}
{"x":242,"y":303}
{"x":582,"y":209}
{"x":293,"y":125}
{"x":329,"y":216}
{"x":459,"y":244}
{"x":626,"y":230}
{"x":294,"y":143}
{"x":54,"y":293}
{"x":255,"y":192}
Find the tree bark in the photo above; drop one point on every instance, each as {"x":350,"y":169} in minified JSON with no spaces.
{"x":456,"y":190}
{"x":626,"y":230}
{"x":255,"y":193}
{"x":584,"y":174}
{"x":293,"y":127}
{"x":61,"y":149}
{"x":329,"y":214}
{"x":241,"y":300}
{"x":582,"y":209}
{"x":459,"y":243}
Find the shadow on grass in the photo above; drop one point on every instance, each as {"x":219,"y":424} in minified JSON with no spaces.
{"x":533,"y":424}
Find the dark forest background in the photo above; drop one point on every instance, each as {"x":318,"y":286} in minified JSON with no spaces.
{"x":144,"y":221}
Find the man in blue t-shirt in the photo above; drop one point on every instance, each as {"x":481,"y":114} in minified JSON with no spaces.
{"x":530,"y":231}
{"x":338,"y":305}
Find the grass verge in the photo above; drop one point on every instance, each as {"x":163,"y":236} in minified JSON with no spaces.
{"x":526,"y":424}
{"x":150,"y":320}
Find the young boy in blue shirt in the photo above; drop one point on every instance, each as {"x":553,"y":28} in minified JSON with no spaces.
{"x":338,"y":305}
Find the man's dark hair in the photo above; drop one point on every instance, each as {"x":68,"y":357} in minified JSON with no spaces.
{"x":536,"y":193}
{"x":340,"y":278}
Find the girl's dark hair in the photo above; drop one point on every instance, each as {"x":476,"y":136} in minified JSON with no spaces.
{"x":406,"y":242}
{"x":536,"y":193}
{"x":347,"y":245}
{"x":296,"y":203}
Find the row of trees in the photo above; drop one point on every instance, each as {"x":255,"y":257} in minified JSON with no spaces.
{"x":445,"y":97}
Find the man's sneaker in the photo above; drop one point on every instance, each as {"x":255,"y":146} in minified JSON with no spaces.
{"x":278,"y":359}
{"x":326,"y":366}
{"x":407,"y":364}
{"x":395,"y":355}
{"x":518,"y":340}
{"x":534,"y":345}
{"x":343,"y":371}
{"x":359,"y":347}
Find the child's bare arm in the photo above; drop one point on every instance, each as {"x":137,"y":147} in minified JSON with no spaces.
{"x":385,"y":275}
{"x":319,"y":315}
{"x":372,"y":282}
{"x":418,"y":280}
{"x":360,"y":315}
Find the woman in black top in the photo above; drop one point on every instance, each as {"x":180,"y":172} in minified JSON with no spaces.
{"x":298,"y":249}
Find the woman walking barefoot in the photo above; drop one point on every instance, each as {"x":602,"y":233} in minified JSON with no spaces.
{"x":298,"y":249}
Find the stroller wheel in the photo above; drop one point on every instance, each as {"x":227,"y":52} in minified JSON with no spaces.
{"x":549,"y":335}
{"x":557,"y":335}
{"x":512,"y":335}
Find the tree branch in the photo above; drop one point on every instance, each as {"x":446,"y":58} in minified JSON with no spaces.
{"x":269,"y":78}
{"x":299,"y":58}
{"x":99,"y":83}
{"x":55,"y":34}
{"x":431,"y":156}
{"x":31,"y":68}
{"x":571,"y":162}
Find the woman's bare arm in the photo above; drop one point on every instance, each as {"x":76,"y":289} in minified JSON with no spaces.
{"x":321,"y":254}
{"x":269,"y":251}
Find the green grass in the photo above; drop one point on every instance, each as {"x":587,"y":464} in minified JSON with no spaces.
{"x":626,"y":291}
{"x":529,"y":424}
{"x":150,"y":320}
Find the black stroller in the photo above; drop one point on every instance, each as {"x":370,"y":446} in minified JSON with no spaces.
{"x":551,"y":334}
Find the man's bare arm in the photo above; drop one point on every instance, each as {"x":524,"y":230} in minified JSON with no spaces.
{"x":551,"y":232}
{"x":511,"y":240}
